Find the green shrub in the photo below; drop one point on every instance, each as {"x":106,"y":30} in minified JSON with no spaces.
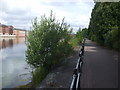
{"x":105,"y":24}
{"x":74,"y":41}
{"x":112,"y":38}
{"x":93,"y":38}
{"x":79,"y":35}
{"x":108,"y":39}
{"x":48,"y":42}
{"x":38,"y":75}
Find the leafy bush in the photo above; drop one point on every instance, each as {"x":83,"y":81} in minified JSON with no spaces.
{"x":74,"y":41}
{"x":112,"y":38}
{"x":105,"y":24}
{"x":38,"y":75}
{"x":108,"y":39}
{"x":79,"y":35}
{"x":48,"y":42}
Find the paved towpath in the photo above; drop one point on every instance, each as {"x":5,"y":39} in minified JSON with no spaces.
{"x":100,"y":67}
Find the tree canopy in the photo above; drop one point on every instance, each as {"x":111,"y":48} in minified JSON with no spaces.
{"x":104,"y":26}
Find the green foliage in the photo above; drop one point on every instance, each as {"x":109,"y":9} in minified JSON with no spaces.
{"x":38,"y":75}
{"x":85,"y":33}
{"x":104,"y":24}
{"x":93,"y":38}
{"x":74,"y":41}
{"x":112,"y":38}
{"x":79,"y":35}
{"x":48,"y":42}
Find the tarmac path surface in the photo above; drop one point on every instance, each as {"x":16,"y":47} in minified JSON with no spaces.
{"x":100,"y":67}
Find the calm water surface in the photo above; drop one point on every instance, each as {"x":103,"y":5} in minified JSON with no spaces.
{"x":15,"y":71}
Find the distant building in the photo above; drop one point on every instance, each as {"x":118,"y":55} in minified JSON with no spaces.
{"x":10,"y":30}
{"x":3,"y":29}
{"x":19,"y":32}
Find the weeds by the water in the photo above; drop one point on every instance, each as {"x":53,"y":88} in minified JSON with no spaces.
{"x":38,"y":75}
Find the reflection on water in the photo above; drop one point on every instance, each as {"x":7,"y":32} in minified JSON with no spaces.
{"x":9,"y":42}
{"x":15,"y":71}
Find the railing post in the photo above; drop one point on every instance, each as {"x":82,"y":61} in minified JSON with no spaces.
{"x":75,"y":85}
{"x":74,"y":79}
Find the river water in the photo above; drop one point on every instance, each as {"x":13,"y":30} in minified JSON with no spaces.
{"x":14,"y":71}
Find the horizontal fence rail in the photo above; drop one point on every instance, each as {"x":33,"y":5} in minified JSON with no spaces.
{"x":75,"y":84}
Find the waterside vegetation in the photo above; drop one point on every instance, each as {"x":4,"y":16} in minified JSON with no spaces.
{"x":49,"y":43}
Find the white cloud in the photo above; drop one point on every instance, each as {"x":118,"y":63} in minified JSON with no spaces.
{"x":20,"y":13}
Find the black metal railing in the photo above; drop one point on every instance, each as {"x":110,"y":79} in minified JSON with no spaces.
{"x":75,"y":84}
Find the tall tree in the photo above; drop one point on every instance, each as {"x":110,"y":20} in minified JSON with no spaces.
{"x":104,"y":26}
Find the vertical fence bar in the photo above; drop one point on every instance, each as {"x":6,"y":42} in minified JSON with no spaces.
{"x":75,"y":84}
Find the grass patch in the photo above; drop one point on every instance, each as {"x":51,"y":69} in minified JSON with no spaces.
{"x":29,"y":85}
{"x":74,"y":42}
{"x":38,"y":75}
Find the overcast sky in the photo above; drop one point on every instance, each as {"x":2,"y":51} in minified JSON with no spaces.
{"x":20,"y":13}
